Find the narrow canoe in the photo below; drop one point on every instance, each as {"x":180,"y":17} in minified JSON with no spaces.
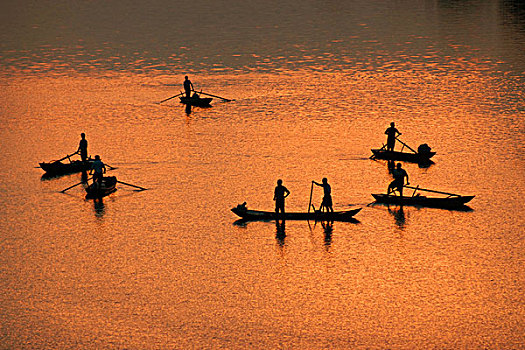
{"x":196,"y":101}
{"x":248,"y":214}
{"x":402,"y":156}
{"x":59,"y":168}
{"x":108,"y":186}
{"x":424,"y":201}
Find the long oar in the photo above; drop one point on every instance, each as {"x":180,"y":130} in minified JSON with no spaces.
{"x":433,"y":191}
{"x":125,"y":183}
{"x":407,"y":146}
{"x":81,"y":182}
{"x":222,"y":98}
{"x":169,"y":98}
{"x":67,"y":156}
{"x":311,"y":192}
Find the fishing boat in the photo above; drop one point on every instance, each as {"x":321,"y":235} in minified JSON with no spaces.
{"x":59,"y":168}
{"x":448,"y":200}
{"x":196,"y":100}
{"x":108,"y":186}
{"x":422,"y":155}
{"x":247,"y":214}
{"x":402,"y":156}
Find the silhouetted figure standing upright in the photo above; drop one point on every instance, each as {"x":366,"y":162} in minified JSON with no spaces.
{"x":279,"y":195}
{"x":399,"y":180}
{"x":97,"y":169}
{"x":188,"y":86}
{"x":327,"y":198}
{"x":82,"y":147}
{"x":391,"y":133}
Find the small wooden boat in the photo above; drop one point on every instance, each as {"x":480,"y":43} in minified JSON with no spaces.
{"x":317,"y":215}
{"x":58,"y":168}
{"x":450,"y":201}
{"x":402,"y":156}
{"x":422,"y":155}
{"x":108,"y":186}
{"x":196,"y":101}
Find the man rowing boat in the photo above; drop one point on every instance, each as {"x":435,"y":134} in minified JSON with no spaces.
{"x":279,"y":195}
{"x":327,"y":198}
{"x":391,"y":133}
{"x":399,"y":180}
{"x":97,"y":169}
{"x":188,"y":86}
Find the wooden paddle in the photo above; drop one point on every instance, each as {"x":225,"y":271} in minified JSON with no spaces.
{"x":222,"y":98}
{"x":125,"y":183}
{"x":66,"y":157}
{"x":407,"y":146}
{"x":311,"y":192}
{"x":169,"y":98}
{"x":81,"y":182}
{"x":433,"y":191}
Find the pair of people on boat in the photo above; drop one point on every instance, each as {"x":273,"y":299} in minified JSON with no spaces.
{"x":281,"y":192}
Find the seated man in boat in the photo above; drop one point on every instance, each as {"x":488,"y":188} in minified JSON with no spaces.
{"x":82,"y":147}
{"x":188,"y":86}
{"x":391,"y":133}
{"x":97,"y":169}
{"x":327,"y":198}
{"x":279,"y":195}
{"x":399,"y":180}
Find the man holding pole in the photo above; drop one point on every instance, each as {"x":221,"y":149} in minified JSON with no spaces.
{"x":327,"y":198}
{"x":391,"y":133}
{"x":399,"y":180}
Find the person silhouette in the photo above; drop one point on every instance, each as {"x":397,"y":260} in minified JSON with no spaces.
{"x":97,"y":169}
{"x":391,"y":133}
{"x":327,"y":198}
{"x":82,"y":147}
{"x":399,"y":180}
{"x":188,"y":86}
{"x":280,"y":193}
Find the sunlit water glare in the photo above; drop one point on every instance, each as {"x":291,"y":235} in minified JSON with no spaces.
{"x":314,"y":88}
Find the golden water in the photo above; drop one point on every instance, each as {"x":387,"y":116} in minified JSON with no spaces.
{"x":171,"y":267}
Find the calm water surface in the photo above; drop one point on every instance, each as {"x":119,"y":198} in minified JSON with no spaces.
{"x":314,"y":87}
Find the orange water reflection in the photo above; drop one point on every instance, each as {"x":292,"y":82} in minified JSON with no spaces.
{"x":166,"y":266}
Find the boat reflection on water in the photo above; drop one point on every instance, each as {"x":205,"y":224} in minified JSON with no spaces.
{"x":391,"y":164}
{"x":328,"y":227}
{"x":100,"y":208}
{"x":399,"y":216}
{"x":188,"y":109}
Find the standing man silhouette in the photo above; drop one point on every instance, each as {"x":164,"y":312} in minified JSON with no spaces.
{"x":391,"y":133}
{"x":327,"y":198}
{"x":188,"y":86}
{"x":82,"y":147}
{"x":279,"y":195}
{"x":399,"y":180}
{"x":97,"y":169}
